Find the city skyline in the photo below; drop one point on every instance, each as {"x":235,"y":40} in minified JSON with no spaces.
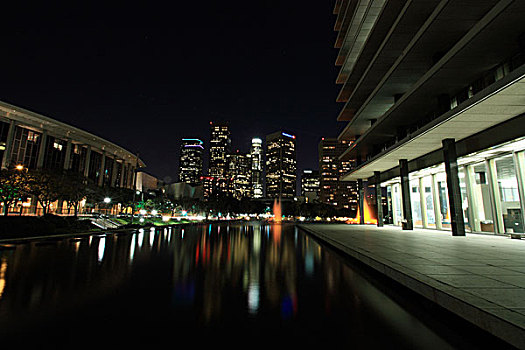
{"x":144,"y":86}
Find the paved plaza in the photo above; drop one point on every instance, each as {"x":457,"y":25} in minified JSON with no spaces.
{"x":478,"y":277}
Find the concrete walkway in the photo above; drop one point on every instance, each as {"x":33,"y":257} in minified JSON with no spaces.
{"x":478,"y":277}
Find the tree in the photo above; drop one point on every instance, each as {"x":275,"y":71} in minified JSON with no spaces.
{"x":73,"y":190}
{"x":45,"y":185}
{"x":11,"y":186}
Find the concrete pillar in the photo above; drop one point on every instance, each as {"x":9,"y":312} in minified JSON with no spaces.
{"x":361,"y":189}
{"x":405,"y":195}
{"x":88,"y":161}
{"x":122,"y":173}
{"x":379,"y":204}
{"x":102,"y":172}
{"x":113,"y":174}
{"x":67,"y":157}
{"x":454,"y":192}
{"x":42,"y":150}
{"x":133,"y":178}
{"x":9,"y":145}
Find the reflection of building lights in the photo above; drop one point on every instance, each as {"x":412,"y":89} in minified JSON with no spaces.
{"x":253,"y":297}
{"x":101,"y":248}
{"x":141,"y":219}
{"x":3,"y":269}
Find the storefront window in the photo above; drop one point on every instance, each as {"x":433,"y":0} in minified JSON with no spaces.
{"x":464,"y":198}
{"x":396,"y":204}
{"x":483,"y":219}
{"x":429,"y":202}
{"x":389,"y":214}
{"x":441,"y":189}
{"x":509,"y":194}
{"x":415,"y":199}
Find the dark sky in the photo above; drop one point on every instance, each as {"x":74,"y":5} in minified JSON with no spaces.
{"x":144,"y":77}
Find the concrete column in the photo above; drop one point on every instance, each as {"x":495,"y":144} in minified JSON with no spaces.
{"x":379,"y":205}
{"x":67,"y":157}
{"x":102,"y":175}
{"x":361,"y":190}
{"x":122,"y":173}
{"x":133,"y":178}
{"x":113,"y":173}
{"x":454,"y":192}
{"x":6,"y":159}
{"x":405,"y":195}
{"x":88,"y":161}
{"x":42,"y":150}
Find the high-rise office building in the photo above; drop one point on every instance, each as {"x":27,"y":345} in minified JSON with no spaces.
{"x":256,"y":153}
{"x":281,"y":165}
{"x":239,"y":174}
{"x":332,"y":190}
{"x":310,"y":185}
{"x":190,"y":163}
{"x":433,"y":95}
{"x":220,"y":144}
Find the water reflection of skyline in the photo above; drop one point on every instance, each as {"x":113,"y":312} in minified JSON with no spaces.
{"x":207,"y":274}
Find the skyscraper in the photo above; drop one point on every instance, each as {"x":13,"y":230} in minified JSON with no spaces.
{"x":281,"y":165}
{"x":257,"y":168}
{"x":310,"y":185}
{"x":333,"y":191}
{"x":190,"y":164}
{"x":239,"y":172}
{"x":220,"y":144}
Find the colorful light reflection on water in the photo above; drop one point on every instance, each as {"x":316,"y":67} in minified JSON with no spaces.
{"x":236,"y":284}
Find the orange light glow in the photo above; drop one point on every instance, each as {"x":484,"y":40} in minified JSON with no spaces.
{"x":277,"y":212}
{"x":369,"y":217}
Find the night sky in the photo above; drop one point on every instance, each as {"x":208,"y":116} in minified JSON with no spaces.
{"x":145,"y":77}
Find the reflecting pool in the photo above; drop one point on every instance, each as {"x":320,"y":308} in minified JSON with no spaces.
{"x":239,"y":285}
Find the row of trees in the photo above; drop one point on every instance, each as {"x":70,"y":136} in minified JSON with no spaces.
{"x":48,"y":186}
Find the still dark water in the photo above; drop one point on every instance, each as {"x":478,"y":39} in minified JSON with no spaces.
{"x":241,"y":286}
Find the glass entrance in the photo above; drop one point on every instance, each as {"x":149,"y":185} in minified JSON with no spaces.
{"x":508,"y":194}
{"x":428,"y":201}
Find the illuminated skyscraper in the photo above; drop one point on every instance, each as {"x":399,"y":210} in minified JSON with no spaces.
{"x":342,"y":194}
{"x":281,"y":165}
{"x":190,"y":164}
{"x":257,"y":168}
{"x":239,"y":172}
{"x":310,"y":185}
{"x":220,"y":144}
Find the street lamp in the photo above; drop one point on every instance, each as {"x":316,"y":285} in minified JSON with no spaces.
{"x":107,"y":200}
{"x":19,"y":167}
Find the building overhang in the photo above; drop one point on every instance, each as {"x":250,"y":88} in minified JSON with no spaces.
{"x":500,"y":102}
{"x":55,"y":128}
{"x":491,"y":37}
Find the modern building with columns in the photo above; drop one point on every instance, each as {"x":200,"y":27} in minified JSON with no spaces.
{"x":36,"y":141}
{"x":434,"y":99}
